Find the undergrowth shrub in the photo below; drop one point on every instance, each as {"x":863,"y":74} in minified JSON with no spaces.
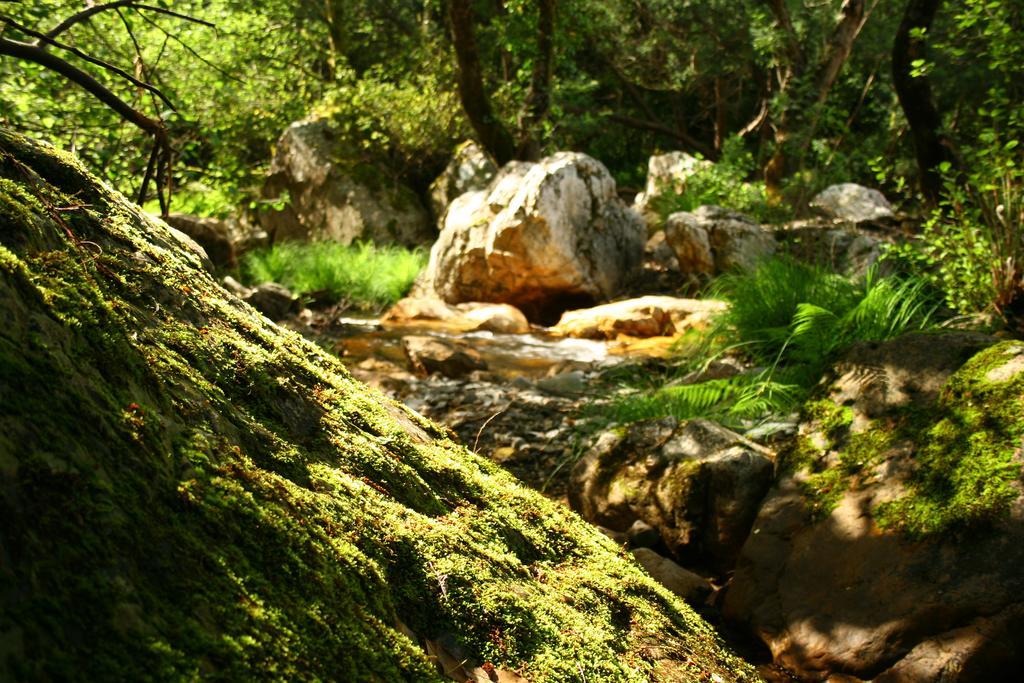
{"x":361,"y":275}
{"x":723,"y":184}
{"x":972,"y":248}
{"x":788,"y":320}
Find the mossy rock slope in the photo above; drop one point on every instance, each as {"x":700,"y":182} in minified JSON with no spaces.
{"x":891,"y":548}
{"x":188,"y":491}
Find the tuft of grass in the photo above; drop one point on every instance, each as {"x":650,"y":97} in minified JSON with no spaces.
{"x":362,"y":275}
{"x":788,"y":320}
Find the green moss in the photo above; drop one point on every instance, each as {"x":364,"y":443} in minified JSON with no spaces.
{"x":968,"y":450}
{"x":191,"y":492}
{"x":965,"y":453}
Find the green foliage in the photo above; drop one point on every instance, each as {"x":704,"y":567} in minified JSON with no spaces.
{"x":964,"y":450}
{"x":362,"y":275}
{"x":724,"y":183}
{"x":789,"y":320}
{"x":786,"y":312}
{"x":972,"y":248}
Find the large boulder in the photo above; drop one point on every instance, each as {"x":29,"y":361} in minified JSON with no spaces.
{"x":543,"y":237}
{"x":646,"y":316}
{"x":191,"y":492}
{"x":328,"y":193}
{"x":891,"y":549}
{"x":666,"y":175}
{"x":699,"y":484}
{"x":713,"y":240}
{"x":470,"y":169}
{"x":853,"y":203}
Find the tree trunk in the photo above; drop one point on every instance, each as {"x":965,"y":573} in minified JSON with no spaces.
{"x":493,"y":135}
{"x":915,"y":94}
{"x":538,"y":100}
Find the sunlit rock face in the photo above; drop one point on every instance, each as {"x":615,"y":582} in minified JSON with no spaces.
{"x":469,"y":170}
{"x":544,"y":237}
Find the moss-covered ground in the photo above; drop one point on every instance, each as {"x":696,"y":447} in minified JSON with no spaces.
{"x":188,"y":491}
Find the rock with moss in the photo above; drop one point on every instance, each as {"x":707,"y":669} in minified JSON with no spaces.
{"x":320,"y":189}
{"x":891,"y":549}
{"x":544,"y":237}
{"x":697,"y":483}
{"x":471,"y":169}
{"x":667,"y":176}
{"x":190,"y":492}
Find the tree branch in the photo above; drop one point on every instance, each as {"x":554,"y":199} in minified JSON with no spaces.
{"x":34,"y":53}
{"x":89,"y":12}
{"x":81,"y":55}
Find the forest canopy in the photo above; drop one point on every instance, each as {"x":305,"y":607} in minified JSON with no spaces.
{"x":811,"y":91}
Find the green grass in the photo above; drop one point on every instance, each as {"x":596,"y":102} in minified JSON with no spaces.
{"x":788,"y":320}
{"x":363,"y":275}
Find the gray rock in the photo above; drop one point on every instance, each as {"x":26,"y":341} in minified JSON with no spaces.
{"x":843,"y":248}
{"x":642,"y":535}
{"x":666,"y":175}
{"x":541,"y":237}
{"x":699,"y":484}
{"x":272,"y":300}
{"x":713,"y":240}
{"x":852,"y":203}
{"x":470,"y":169}
{"x":212,"y":234}
{"x":445,"y":357}
{"x":832,"y":588}
{"x":335,"y":196}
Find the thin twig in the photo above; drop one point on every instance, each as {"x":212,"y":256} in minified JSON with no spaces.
{"x":479,"y":433}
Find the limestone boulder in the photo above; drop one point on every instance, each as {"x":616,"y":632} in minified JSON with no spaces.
{"x":699,"y":484}
{"x":853,"y":203}
{"x":647,"y":316}
{"x":471,"y":169}
{"x":469,"y":316}
{"x":543,"y":237}
{"x":891,"y":548}
{"x":713,"y":240}
{"x":328,"y":193}
{"x":666,"y":175}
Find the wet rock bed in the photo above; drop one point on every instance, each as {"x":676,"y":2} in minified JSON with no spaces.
{"x":526,"y":411}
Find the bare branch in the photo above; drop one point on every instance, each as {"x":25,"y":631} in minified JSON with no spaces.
{"x":92,"y":60}
{"x":89,"y":12}
{"x":34,"y":53}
